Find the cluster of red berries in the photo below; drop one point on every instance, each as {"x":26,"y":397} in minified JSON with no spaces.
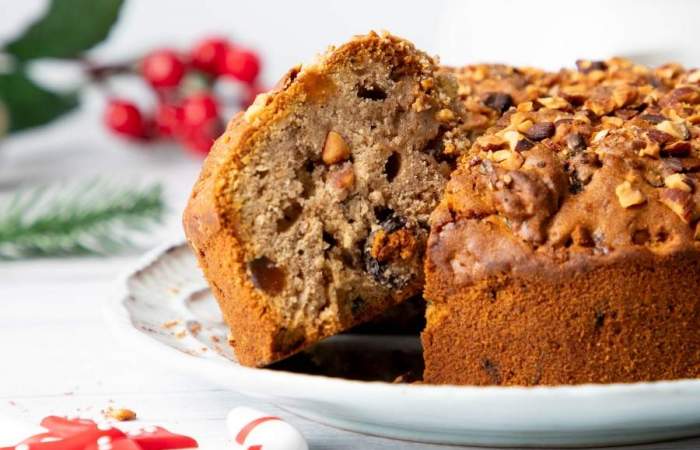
{"x":190,"y":118}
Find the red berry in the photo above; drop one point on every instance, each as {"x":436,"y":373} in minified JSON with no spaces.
{"x":163,"y":69}
{"x":242,"y":65}
{"x":198,"y":110}
{"x":168,"y":119}
{"x":124,"y":118}
{"x":209,"y":55}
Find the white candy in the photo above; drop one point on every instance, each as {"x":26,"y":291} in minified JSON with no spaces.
{"x":249,"y":428}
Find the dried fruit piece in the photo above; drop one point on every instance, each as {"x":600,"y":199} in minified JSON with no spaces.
{"x":540,"y":131}
{"x":629,"y":196}
{"x":266,"y":276}
{"x":576,"y":142}
{"x":500,"y":101}
{"x":335,"y":149}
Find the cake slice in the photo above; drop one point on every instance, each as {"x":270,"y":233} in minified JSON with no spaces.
{"x":311,"y":212}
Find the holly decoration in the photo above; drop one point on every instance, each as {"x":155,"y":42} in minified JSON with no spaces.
{"x":191,"y":116}
{"x":82,"y":434}
{"x":189,"y":108}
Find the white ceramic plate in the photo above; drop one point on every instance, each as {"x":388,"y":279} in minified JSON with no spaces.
{"x":165,"y":308}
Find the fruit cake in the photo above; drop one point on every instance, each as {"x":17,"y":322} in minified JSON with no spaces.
{"x":566,"y":248}
{"x":311,"y":212}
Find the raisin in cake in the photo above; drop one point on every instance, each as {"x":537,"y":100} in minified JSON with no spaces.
{"x":311,"y":212}
{"x":566,"y":248}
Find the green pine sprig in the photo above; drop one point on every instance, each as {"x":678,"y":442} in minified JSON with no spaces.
{"x":94,"y":217}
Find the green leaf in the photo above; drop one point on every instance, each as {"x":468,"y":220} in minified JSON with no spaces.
{"x":68,"y":28}
{"x":28,"y":104}
{"x":85,"y":218}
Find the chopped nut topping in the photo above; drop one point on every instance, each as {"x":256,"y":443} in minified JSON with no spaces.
{"x":658,"y":136}
{"x":335,"y":149}
{"x":512,"y":137}
{"x":651,"y":149}
{"x":524,"y":125}
{"x":623,"y":95}
{"x":678,"y":181}
{"x":613,"y":122}
{"x":508,"y":159}
{"x":553,"y":102}
{"x":491,"y":142}
{"x":599,"y":136}
{"x":445,"y":115}
{"x":500,"y":155}
{"x":628,"y":196}
{"x":525,"y":107}
{"x":677,"y":130}
{"x":679,"y":201}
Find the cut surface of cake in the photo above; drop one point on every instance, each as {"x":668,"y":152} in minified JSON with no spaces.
{"x":311,"y":212}
{"x":566,"y":248}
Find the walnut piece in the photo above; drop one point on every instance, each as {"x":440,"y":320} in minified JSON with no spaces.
{"x":553,"y":102}
{"x":629,"y":196}
{"x":335,"y":149}
{"x":678,"y":130}
{"x":678,"y":181}
{"x":679,"y":201}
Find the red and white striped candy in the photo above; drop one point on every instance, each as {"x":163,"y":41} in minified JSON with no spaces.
{"x":254,"y":430}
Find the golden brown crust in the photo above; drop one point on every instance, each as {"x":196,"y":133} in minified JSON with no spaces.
{"x":220,"y":256}
{"x":633,"y":319}
{"x":586,"y":198}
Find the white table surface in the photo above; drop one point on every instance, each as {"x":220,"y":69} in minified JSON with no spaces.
{"x":58,"y":356}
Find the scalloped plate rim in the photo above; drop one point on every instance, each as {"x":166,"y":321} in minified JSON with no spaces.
{"x":284,"y":389}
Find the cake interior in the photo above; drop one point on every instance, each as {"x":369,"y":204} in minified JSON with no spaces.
{"x":332,"y":237}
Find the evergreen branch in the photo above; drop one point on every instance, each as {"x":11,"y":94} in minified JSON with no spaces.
{"x":92,"y":217}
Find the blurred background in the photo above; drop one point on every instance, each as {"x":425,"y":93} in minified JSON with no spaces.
{"x":110,"y":92}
